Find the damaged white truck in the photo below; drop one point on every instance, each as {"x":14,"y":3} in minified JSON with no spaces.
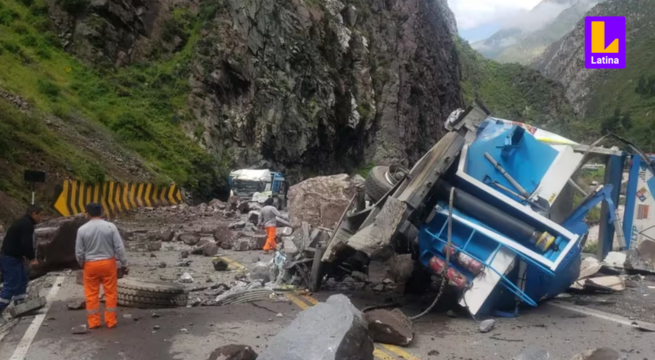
{"x":490,"y":209}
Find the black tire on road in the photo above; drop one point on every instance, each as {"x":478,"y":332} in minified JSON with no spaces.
{"x":150,"y":294}
{"x":376,"y":184}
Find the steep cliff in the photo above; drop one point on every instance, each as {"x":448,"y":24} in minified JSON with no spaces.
{"x":306,"y":86}
{"x":191,"y":88}
{"x":610,"y":100}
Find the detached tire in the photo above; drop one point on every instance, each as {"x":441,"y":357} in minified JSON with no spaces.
{"x":150,"y":294}
{"x":376,"y":184}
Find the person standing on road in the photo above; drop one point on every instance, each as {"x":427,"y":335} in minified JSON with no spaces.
{"x":267,"y":218}
{"x":97,"y":247}
{"x":17,"y":251}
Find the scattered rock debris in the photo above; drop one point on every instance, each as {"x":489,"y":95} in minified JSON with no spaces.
{"x":487,"y":325}
{"x":79,"y":330}
{"x":390,"y":327}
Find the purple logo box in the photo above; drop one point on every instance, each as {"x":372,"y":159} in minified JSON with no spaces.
{"x":605,"y":42}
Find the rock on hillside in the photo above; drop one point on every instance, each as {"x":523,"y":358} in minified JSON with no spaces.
{"x":313,"y":85}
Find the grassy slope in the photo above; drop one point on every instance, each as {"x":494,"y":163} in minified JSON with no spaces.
{"x":512,"y":91}
{"x":617,"y":92}
{"x":143,"y":105}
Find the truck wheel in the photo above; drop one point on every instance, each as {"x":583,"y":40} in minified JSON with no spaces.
{"x":376,"y":184}
{"x":150,"y":294}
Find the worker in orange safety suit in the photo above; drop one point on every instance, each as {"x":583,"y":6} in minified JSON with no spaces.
{"x":267,"y":218}
{"x":97,"y":248}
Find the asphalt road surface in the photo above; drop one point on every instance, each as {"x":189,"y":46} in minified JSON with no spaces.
{"x":193,"y":333}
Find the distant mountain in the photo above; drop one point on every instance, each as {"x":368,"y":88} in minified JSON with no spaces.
{"x":514,"y":91}
{"x":526,"y":37}
{"x":619,"y":101}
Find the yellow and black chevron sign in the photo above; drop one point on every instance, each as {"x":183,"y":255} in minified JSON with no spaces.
{"x":114,"y":197}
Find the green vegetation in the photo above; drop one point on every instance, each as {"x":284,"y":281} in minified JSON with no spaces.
{"x":364,"y":170}
{"x":512,"y":91}
{"x":25,"y":140}
{"x":142,"y":104}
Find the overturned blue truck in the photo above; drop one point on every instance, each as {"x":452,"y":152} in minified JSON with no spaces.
{"x":490,"y":209}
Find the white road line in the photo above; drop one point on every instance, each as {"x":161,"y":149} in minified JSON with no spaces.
{"x":596,"y":313}
{"x":26,"y":341}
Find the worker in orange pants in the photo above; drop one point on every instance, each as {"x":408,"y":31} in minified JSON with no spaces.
{"x":268,"y":218}
{"x":96,"y":273}
{"x":97,"y":247}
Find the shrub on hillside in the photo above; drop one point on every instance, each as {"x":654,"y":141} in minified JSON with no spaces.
{"x":47,"y":88}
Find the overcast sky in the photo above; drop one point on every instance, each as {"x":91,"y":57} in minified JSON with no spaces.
{"x":477,"y":19}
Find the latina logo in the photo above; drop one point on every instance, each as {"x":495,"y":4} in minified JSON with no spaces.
{"x":605,"y":42}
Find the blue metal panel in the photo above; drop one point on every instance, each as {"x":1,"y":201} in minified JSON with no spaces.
{"x":512,"y":147}
{"x":630,"y":199}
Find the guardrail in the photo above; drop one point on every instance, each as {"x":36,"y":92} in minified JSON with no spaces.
{"x":114,"y":197}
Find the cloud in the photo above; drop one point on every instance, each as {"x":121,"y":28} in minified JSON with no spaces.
{"x":536,"y":19}
{"x":473,"y":13}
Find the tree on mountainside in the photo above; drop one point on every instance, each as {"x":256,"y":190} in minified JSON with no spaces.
{"x":616,"y":123}
{"x":641,"y":85}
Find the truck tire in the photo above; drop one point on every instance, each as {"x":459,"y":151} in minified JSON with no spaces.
{"x":376,"y":184}
{"x":150,"y":294}
{"x":147,"y":302}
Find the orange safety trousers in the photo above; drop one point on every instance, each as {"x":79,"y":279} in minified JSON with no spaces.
{"x":96,"y":273}
{"x":271,"y":244}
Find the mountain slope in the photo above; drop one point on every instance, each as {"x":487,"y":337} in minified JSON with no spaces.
{"x":182,"y":90}
{"x":610,"y":100}
{"x":546,"y":23}
{"x":514,"y":92}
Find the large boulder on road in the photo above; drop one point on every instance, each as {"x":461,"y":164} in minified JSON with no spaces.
{"x":55,"y":245}
{"x":320,"y":201}
{"x":334,"y":330}
{"x":233,"y":352}
{"x":390,"y":327}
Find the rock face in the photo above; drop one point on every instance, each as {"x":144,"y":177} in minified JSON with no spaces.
{"x":342,"y":334}
{"x":321,"y":86}
{"x":320,"y":201}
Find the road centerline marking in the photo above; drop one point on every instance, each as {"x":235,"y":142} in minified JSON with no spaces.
{"x":25,"y":343}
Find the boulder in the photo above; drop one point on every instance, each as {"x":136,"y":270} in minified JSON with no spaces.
{"x":220,"y":264}
{"x":190,"y":239}
{"x":289,"y":247}
{"x":55,"y":245}
{"x":320,"y":201}
{"x":342,"y":334}
{"x":233,"y":352}
{"x":598,"y":354}
{"x":390,"y":327}
{"x":217,"y":204}
{"x":249,"y":241}
{"x":166,"y":235}
{"x":237,"y":225}
{"x":210,"y":249}
{"x":223,"y":235}
{"x":243,"y":207}
{"x":76,"y":304}
{"x":253,"y":217}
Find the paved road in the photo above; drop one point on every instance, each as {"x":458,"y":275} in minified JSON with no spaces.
{"x":561,"y":331}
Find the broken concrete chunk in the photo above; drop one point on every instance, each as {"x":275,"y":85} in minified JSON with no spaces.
{"x":233,"y":352}
{"x":237,"y":225}
{"x":390,"y":327}
{"x":79,"y":330}
{"x":190,"y":239}
{"x":77,"y":304}
{"x":253,"y":217}
{"x":534,"y":354}
{"x":487,"y":325}
{"x":166,"y":236}
{"x":343,"y":334}
{"x":598,"y":354}
{"x":220,"y":264}
{"x":186,"y":278}
{"x":289,"y":247}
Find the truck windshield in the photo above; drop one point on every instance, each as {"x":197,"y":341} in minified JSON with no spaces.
{"x":248,"y":187}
